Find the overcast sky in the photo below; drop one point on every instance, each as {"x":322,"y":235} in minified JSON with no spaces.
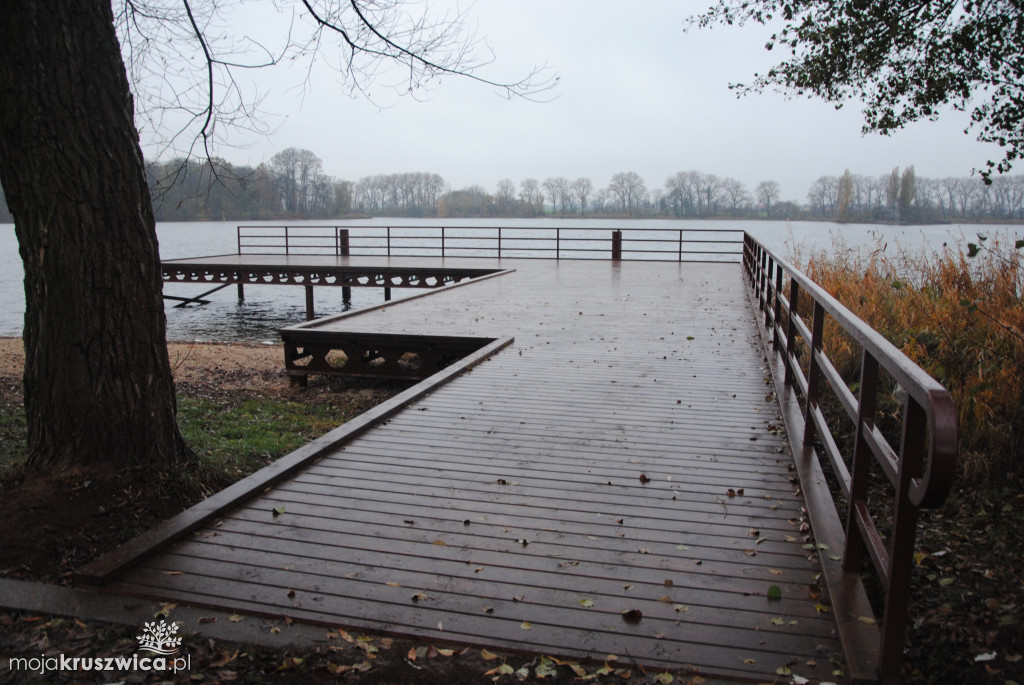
{"x":635,"y":93}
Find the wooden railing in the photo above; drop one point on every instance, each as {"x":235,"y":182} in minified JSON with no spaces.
{"x":920,"y":471}
{"x":531,"y":242}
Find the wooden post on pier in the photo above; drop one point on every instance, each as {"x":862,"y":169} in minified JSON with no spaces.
{"x":344,"y":251}
{"x":617,"y":245}
{"x":309,"y":303}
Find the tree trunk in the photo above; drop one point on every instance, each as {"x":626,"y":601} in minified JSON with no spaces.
{"x":98,"y":386}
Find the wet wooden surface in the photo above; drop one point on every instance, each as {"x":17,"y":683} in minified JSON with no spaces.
{"x":622,"y":455}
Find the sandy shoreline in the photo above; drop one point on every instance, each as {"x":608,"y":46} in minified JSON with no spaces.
{"x":191,"y":362}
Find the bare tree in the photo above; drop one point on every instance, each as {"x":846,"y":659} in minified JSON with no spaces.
{"x":551,"y":186}
{"x":531,"y":196}
{"x":823,"y":195}
{"x":582,"y":187}
{"x":736,"y":194}
{"x":681,"y":190}
{"x":506,"y":195}
{"x":767,"y":193}
{"x":630,"y":189}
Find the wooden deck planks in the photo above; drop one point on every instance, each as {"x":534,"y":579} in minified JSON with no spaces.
{"x":617,"y":371}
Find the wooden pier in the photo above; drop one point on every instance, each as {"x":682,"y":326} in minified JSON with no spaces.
{"x":609,"y":473}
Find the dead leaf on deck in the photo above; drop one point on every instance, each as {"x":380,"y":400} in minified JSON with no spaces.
{"x":164,"y":611}
{"x":504,"y":669}
{"x":632,"y":615}
{"x":488,"y":655}
{"x":235,"y":618}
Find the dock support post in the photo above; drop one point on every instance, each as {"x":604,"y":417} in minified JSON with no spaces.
{"x":241,"y":293}
{"x":309,"y":303}
{"x":617,"y":245}
{"x":387,"y":294}
{"x":344,"y":250}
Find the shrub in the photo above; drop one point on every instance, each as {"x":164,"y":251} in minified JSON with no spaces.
{"x":959,"y":315}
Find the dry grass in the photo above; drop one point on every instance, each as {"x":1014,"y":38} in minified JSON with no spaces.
{"x":959,"y":315}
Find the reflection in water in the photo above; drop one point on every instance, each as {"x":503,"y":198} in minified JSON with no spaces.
{"x":264,"y":311}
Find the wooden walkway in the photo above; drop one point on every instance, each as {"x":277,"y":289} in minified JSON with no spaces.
{"x":624,"y":454}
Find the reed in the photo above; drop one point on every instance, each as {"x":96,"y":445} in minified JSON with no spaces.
{"x":959,"y":315}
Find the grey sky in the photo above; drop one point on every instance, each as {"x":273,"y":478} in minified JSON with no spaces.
{"x":635,"y":93}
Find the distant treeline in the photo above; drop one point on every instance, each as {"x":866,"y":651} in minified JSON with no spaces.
{"x":293,"y":185}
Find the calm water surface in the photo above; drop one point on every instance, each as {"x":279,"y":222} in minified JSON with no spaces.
{"x":268,"y":308}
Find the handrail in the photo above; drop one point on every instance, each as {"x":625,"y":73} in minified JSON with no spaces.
{"x":524,"y":242}
{"x":921,"y":470}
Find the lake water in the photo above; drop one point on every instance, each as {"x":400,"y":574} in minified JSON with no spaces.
{"x":268,"y":308}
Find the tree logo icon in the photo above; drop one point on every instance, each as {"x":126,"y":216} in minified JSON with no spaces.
{"x":158,"y":638}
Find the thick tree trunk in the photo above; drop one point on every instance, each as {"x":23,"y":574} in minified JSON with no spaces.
{"x":98,"y":386}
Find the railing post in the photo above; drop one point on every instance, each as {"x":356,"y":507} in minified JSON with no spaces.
{"x":778,"y":307}
{"x":794,"y":300}
{"x":680,"y":245}
{"x":389,"y":241}
{"x":344,"y":250}
{"x":558,"y":243}
{"x":861,"y":467}
{"x":901,"y":545}
{"x":442,"y":242}
{"x":499,"y":242}
{"x":761,"y":291}
{"x":286,"y":245}
{"x":814,"y":372}
{"x":617,"y":246}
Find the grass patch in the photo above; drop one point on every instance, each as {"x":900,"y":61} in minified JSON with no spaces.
{"x":237,"y":439}
{"x":12,"y":433}
{"x":232,"y":437}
